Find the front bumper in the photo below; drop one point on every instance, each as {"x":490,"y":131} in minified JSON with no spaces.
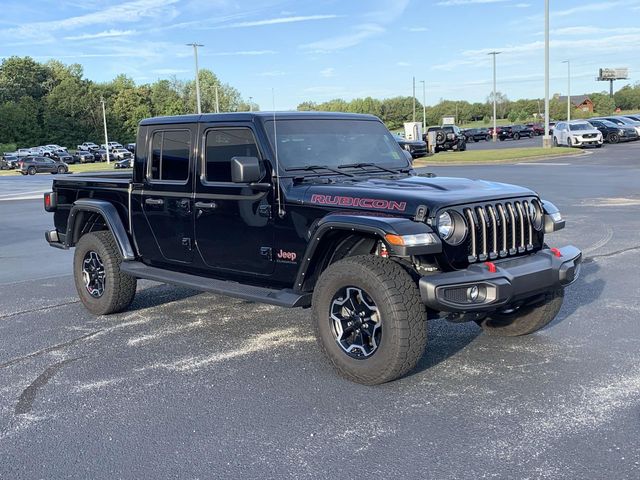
{"x":478,"y":289}
{"x":581,"y":141}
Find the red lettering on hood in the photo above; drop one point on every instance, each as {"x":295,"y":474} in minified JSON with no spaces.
{"x":374,"y":203}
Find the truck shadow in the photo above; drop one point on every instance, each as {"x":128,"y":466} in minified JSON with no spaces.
{"x":156,"y":295}
{"x":446,"y":339}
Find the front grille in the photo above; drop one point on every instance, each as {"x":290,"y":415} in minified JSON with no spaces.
{"x":501,"y":229}
{"x":497,"y":230}
{"x":590,"y":135}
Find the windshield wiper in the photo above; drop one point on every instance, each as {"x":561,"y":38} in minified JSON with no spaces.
{"x":308,"y":168}
{"x":363,"y":165}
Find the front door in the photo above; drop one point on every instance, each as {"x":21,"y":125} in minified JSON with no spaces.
{"x":166,"y":197}
{"x":233,"y":222}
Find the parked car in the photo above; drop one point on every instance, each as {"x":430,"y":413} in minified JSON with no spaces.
{"x":23,"y":152}
{"x":577,"y":133}
{"x":88,"y":147}
{"x":635,"y":117}
{"x":112,"y":145}
{"x":83,"y":157}
{"x":56,"y":147}
{"x":417,"y":148}
{"x":4,"y":164}
{"x":515,"y":132}
{"x":613,"y":133}
{"x":62,"y":156}
{"x":477,"y":134}
{"x":131,"y":147}
{"x":33,"y":165}
{"x":623,"y":122}
{"x":449,"y":137}
{"x":11,"y":161}
{"x":100,"y":155}
{"x":121,"y":153}
{"x":538,"y":128}
{"x":126,"y":163}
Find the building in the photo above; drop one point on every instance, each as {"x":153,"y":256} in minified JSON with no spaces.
{"x":580,"y":102}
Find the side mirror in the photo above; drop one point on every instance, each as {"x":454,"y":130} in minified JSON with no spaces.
{"x":408,"y":155}
{"x":245,"y":170}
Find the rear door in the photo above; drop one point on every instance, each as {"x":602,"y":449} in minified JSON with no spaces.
{"x":166,"y":195}
{"x":233,"y":222}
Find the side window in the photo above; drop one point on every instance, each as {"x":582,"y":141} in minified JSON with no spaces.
{"x":221,"y":145}
{"x":170,"y":151}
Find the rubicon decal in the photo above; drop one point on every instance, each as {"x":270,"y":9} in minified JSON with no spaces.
{"x":375,"y":203}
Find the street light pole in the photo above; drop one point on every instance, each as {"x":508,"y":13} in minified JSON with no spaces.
{"x":568,"y":62}
{"x":104,"y":120}
{"x":251,"y":104}
{"x":195,"y":54}
{"x":424,"y":106}
{"x":414,"y":99}
{"x":546,"y":140}
{"x":495,"y":121}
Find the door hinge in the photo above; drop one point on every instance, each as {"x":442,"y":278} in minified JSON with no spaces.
{"x":186,"y":243}
{"x":266,"y":253}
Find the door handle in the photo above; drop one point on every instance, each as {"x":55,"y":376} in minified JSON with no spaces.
{"x":206,"y":205}
{"x":154,"y":201}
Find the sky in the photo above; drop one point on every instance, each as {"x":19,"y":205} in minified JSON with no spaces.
{"x":316,"y":51}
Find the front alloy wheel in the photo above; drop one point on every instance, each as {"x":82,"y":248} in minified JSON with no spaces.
{"x":355,"y":322}
{"x":93,"y":274}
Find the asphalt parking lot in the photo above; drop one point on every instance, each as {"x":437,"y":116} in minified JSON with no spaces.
{"x":193,"y":385}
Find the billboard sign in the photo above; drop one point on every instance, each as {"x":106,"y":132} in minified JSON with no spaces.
{"x":613,"y":74}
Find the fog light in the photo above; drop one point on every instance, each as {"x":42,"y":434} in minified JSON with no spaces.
{"x":473,"y":293}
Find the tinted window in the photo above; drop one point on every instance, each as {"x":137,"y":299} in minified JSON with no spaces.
{"x":224,"y":144}
{"x":170,"y":151}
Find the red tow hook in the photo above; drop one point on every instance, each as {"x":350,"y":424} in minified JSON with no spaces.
{"x":491,"y":266}
{"x":556,"y":252}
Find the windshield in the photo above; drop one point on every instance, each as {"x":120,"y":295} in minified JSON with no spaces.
{"x":580,"y":126}
{"x":333,"y":143}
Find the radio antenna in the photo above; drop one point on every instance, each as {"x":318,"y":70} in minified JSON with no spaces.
{"x":281,"y":211}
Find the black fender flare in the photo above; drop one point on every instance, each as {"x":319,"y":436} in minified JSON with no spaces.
{"x":111,"y":217}
{"x":375,"y":225}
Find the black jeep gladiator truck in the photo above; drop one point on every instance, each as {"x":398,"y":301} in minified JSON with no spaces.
{"x":320,"y":210}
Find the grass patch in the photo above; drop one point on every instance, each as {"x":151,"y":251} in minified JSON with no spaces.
{"x":497,"y":155}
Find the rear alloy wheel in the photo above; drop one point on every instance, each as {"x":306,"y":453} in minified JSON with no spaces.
{"x":101,"y":286}
{"x":61,"y":169}
{"x":613,"y":138}
{"x":369,"y":319}
{"x":513,"y":322}
{"x":516,"y":136}
{"x":31,"y":170}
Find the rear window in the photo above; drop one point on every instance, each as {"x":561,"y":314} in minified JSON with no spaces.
{"x":170,"y":151}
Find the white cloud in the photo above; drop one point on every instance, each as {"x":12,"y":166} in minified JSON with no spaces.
{"x":453,"y":3}
{"x":417,"y":29}
{"x":272,"y":73}
{"x":168,"y":71}
{"x":105,"y":34}
{"x":590,"y":30}
{"x":593,"y":7}
{"x":248,"y":53}
{"x":277,"y":21}
{"x":340,"y":42}
{"x":403,"y":64}
{"x":522,"y":5}
{"x":328,"y":72}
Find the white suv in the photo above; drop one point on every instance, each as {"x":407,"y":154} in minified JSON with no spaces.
{"x":576,"y":133}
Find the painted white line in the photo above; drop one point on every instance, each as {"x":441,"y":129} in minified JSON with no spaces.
{"x":543,"y":163}
{"x":22,"y":197}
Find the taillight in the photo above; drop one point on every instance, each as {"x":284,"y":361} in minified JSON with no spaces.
{"x":50,"y":201}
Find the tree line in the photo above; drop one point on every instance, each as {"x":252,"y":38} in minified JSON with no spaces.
{"x":51,"y":102}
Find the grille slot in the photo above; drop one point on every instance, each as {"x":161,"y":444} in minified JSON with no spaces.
{"x":500,"y":230}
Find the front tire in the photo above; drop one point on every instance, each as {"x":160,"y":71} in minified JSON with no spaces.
{"x":524,"y":320}
{"x":102,"y":288}
{"x":613,"y":138}
{"x":369,"y":319}
{"x":31,"y":170}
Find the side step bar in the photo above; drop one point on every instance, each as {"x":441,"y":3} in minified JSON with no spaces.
{"x":282,"y":298}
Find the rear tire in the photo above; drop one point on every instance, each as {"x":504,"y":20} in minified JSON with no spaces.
{"x":102,"y":288}
{"x":613,"y":138}
{"x":524,"y":320}
{"x":61,"y":169}
{"x":369,"y":284}
{"x":32,"y":170}
{"x":516,"y":136}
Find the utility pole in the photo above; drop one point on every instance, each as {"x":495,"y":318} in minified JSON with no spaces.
{"x":414,"y":99}
{"x":424,"y":107}
{"x":104,"y":120}
{"x":251,"y":104}
{"x":495,"y":118}
{"x":195,"y":54}
{"x":217,"y":101}
{"x":546,"y":140}
{"x":568,"y":62}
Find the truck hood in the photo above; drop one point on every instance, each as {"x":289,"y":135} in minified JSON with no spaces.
{"x":403,"y":194}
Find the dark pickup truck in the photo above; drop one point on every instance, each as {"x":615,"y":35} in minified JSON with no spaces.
{"x":318,"y":210}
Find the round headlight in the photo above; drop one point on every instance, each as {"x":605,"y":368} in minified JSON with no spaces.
{"x":445,"y":225}
{"x":535,"y":214}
